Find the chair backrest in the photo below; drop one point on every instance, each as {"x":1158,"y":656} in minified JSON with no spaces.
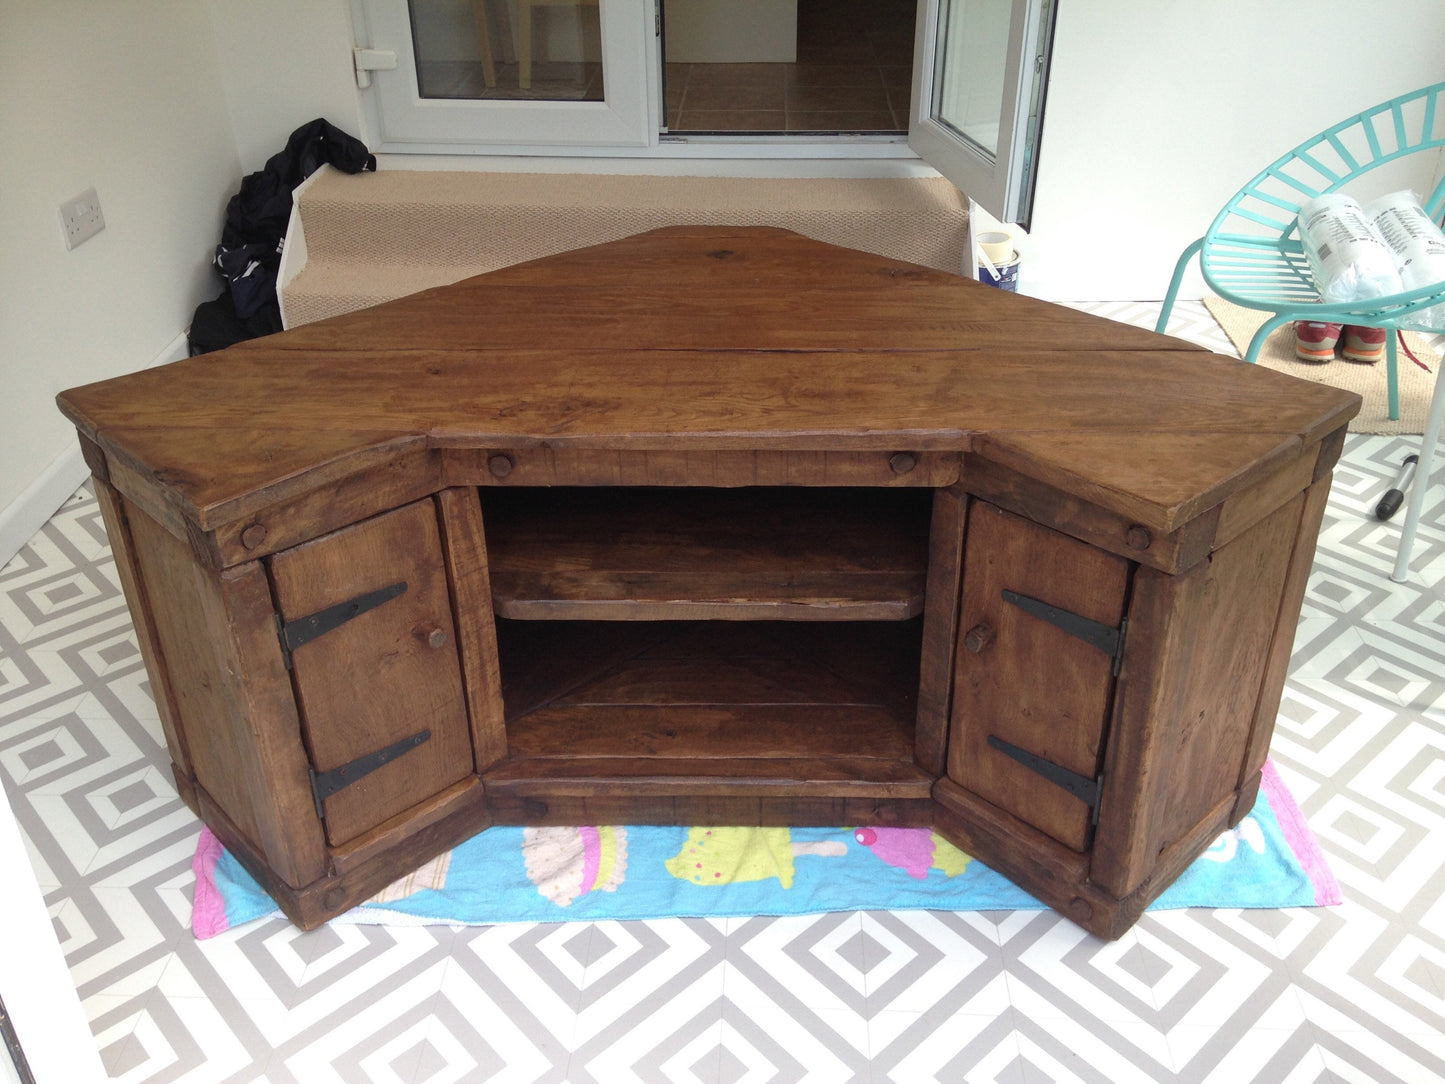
{"x":1252,"y":249}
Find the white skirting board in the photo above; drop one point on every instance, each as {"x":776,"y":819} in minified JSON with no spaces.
{"x":28,"y":512}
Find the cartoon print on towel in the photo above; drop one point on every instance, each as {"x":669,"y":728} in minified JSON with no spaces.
{"x":565,"y":863}
{"x":1247,"y":832}
{"x":431,"y":875}
{"x":720,"y":856}
{"x":916,"y":850}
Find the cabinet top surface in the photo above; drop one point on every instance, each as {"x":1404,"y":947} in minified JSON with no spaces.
{"x":701,"y":338}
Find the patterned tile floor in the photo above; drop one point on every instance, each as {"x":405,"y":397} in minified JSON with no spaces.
{"x":1351,"y":993}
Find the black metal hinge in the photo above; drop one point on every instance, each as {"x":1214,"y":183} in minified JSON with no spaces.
{"x":305,"y":629}
{"x":1081,"y":787}
{"x":325,"y":784}
{"x":1106,"y":638}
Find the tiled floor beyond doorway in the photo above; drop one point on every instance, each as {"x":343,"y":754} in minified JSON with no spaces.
{"x":854,"y":73}
{"x":1350,"y":993}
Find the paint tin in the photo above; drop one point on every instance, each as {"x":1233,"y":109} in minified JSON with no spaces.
{"x":1007,"y":277}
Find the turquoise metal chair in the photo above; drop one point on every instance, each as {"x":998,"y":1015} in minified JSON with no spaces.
{"x":1251,"y":254}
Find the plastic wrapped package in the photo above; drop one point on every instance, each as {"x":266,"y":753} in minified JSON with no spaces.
{"x":1417,"y":245}
{"x":1349,"y":259}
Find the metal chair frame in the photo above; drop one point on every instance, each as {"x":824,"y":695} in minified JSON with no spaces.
{"x":1251,"y":254}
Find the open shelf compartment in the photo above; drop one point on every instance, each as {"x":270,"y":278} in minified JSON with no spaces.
{"x":727,"y":707}
{"x":647,"y":554}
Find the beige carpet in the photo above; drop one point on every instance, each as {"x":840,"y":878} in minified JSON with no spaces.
{"x":371,"y":237}
{"x":1240,"y":324}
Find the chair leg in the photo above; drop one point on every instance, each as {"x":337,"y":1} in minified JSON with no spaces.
{"x":1392,"y":372}
{"x":1266,"y":329}
{"x":1422,"y":480}
{"x":1173,"y":294}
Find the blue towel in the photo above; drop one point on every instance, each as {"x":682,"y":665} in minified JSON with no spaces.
{"x":592,"y":873}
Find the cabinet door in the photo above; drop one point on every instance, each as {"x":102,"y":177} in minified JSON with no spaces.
{"x":370,"y":686}
{"x":1033,"y":682}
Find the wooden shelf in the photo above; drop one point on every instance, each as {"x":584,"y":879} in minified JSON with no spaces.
{"x":747,"y":705}
{"x":723,"y":554}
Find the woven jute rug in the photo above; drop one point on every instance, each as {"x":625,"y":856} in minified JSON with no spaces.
{"x":1368,"y":381}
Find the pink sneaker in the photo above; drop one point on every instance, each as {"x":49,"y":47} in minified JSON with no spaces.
{"x":1315,"y":341}
{"x":1364,"y":344}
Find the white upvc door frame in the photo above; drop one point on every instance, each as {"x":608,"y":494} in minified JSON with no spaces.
{"x":1000,"y":182}
{"x":628,"y":117}
{"x":628,"y":124}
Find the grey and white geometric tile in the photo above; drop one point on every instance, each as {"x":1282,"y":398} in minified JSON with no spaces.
{"x":1355,"y":992}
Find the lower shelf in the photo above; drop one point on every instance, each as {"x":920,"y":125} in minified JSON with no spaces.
{"x":693,"y":709}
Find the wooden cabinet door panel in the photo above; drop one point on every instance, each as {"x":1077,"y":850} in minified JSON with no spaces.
{"x":1023,"y":679}
{"x":384,"y":675}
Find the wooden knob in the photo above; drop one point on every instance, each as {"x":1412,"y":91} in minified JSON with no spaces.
{"x":434,"y":637}
{"x":1138,"y":538}
{"x":978,"y":637}
{"x":500,"y":465}
{"x":253,"y":536}
{"x":902,"y":462}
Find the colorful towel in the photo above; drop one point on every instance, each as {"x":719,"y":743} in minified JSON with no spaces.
{"x":636,"y":872}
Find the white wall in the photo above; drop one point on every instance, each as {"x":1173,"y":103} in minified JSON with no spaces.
{"x":122,"y":96}
{"x":1157,"y":113}
{"x":283,"y":63}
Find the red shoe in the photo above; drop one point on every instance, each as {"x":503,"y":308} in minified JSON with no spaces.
{"x":1364,"y":344}
{"x":1315,"y":341}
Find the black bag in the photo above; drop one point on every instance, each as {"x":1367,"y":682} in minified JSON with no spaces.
{"x":249,"y":255}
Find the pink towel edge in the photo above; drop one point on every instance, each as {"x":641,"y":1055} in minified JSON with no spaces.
{"x":208,"y":906}
{"x":1299,"y":837}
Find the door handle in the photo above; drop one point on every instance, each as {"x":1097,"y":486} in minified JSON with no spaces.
{"x":434,"y":637}
{"x":979,"y":637}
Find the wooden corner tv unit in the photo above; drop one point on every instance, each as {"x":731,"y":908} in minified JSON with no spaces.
{"x":715,"y":526}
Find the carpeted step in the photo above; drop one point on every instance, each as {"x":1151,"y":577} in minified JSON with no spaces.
{"x":330,"y":288}
{"x":372,"y":237}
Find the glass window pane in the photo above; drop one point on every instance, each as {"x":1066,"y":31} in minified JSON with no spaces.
{"x":524,"y":50}
{"x":972,"y":54}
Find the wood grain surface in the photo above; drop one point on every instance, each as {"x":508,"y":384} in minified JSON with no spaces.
{"x":717,"y":339}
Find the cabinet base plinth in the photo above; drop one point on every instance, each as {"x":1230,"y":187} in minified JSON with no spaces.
{"x":697,"y":809}
{"x":315,"y":904}
{"x":1056,"y":875}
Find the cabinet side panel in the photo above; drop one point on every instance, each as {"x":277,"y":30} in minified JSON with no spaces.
{"x":464,"y":548}
{"x":290,"y":831}
{"x":1147,"y":707}
{"x":117,"y":530}
{"x":1282,"y":644}
{"x":940,"y":622}
{"x":192,"y":631}
{"x":1187,"y":700}
{"x":232,"y":698}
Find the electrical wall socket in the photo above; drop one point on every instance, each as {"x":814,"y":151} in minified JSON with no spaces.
{"x":81,"y":218}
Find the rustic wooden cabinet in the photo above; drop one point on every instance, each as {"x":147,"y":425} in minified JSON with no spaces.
{"x":764,"y":532}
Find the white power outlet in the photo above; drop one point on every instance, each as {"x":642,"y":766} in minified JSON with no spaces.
{"x":81,"y":218}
